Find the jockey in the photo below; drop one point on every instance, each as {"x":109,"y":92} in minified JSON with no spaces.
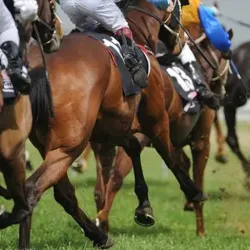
{"x":109,"y":15}
{"x":190,"y":15}
{"x":10,"y":58}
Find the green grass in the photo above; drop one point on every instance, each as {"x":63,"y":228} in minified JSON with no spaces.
{"x":227,"y":213}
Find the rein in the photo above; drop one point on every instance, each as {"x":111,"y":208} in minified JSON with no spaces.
{"x":196,"y":46}
{"x":226,"y":68}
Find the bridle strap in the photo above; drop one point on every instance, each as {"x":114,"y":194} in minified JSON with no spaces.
{"x":145,"y":12}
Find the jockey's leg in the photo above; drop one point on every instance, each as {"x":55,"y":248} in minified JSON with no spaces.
{"x":108,"y":15}
{"x":10,"y":58}
{"x":205,"y":94}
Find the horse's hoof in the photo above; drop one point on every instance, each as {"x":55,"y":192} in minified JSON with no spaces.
{"x":201,"y":234}
{"x":221,"y":159}
{"x":144,"y":216}
{"x":200,"y":197}
{"x":189,"y":207}
{"x":109,"y":243}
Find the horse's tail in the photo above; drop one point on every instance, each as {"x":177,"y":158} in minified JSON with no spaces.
{"x":40,"y":98}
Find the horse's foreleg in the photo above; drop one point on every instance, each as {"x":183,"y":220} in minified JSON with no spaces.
{"x":220,"y":154}
{"x":144,"y":212}
{"x":200,"y":148}
{"x":160,"y":135}
{"x":122,"y":167}
{"x":104,"y":155}
{"x":186,"y":165}
{"x":232,"y":139}
{"x":200,"y":152}
{"x":64,"y":193}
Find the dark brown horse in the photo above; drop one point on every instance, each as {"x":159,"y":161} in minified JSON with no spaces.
{"x":192,"y":130}
{"x":236,"y":96}
{"x":15,"y":126}
{"x":89,"y":105}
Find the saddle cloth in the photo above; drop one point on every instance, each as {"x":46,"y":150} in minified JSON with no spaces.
{"x":128,"y":86}
{"x":184,"y":85}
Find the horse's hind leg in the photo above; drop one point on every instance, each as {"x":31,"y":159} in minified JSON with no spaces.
{"x":220,"y":154}
{"x":64,"y":193}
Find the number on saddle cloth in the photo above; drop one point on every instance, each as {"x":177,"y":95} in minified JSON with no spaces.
{"x":214,"y":31}
{"x":184,"y":85}
{"x":129,"y":88}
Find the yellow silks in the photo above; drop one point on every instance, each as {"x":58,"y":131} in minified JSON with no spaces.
{"x":190,"y":13}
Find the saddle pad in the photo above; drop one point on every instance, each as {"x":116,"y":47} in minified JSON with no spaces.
{"x":184,"y":85}
{"x":128,"y":86}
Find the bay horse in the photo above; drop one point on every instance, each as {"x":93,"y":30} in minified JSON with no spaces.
{"x":15,"y":125}
{"x":237,"y":96}
{"x":89,"y":105}
{"x":192,"y":130}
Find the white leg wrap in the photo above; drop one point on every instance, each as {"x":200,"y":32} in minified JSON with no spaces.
{"x":103,"y":11}
{"x":8,"y":30}
{"x":186,"y":55}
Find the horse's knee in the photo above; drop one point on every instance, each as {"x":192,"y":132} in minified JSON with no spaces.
{"x":117,"y":181}
{"x":200,"y":146}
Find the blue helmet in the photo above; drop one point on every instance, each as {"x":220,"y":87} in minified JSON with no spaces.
{"x":214,"y":30}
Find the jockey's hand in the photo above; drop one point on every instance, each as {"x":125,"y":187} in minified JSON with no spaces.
{"x":160,"y":4}
{"x":28,"y":9}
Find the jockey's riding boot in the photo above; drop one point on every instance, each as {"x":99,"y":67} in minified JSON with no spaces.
{"x":131,"y":59}
{"x":16,"y":69}
{"x":205,"y":95}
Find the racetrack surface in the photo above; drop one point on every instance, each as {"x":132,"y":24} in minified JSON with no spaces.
{"x":227,"y":213}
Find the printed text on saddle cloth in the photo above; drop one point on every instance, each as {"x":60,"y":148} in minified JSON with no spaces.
{"x":183,"y":80}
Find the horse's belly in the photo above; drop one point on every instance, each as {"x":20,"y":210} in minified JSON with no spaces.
{"x":113,"y":127}
{"x":181,"y":129}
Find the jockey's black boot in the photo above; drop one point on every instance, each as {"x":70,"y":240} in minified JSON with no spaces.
{"x":16,"y":70}
{"x":131,"y":59}
{"x":205,"y":95}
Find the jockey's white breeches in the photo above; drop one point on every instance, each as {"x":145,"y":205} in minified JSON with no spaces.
{"x":8,"y":30}
{"x":86,"y":14}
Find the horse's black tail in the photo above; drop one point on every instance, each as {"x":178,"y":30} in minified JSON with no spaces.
{"x":40,"y":98}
